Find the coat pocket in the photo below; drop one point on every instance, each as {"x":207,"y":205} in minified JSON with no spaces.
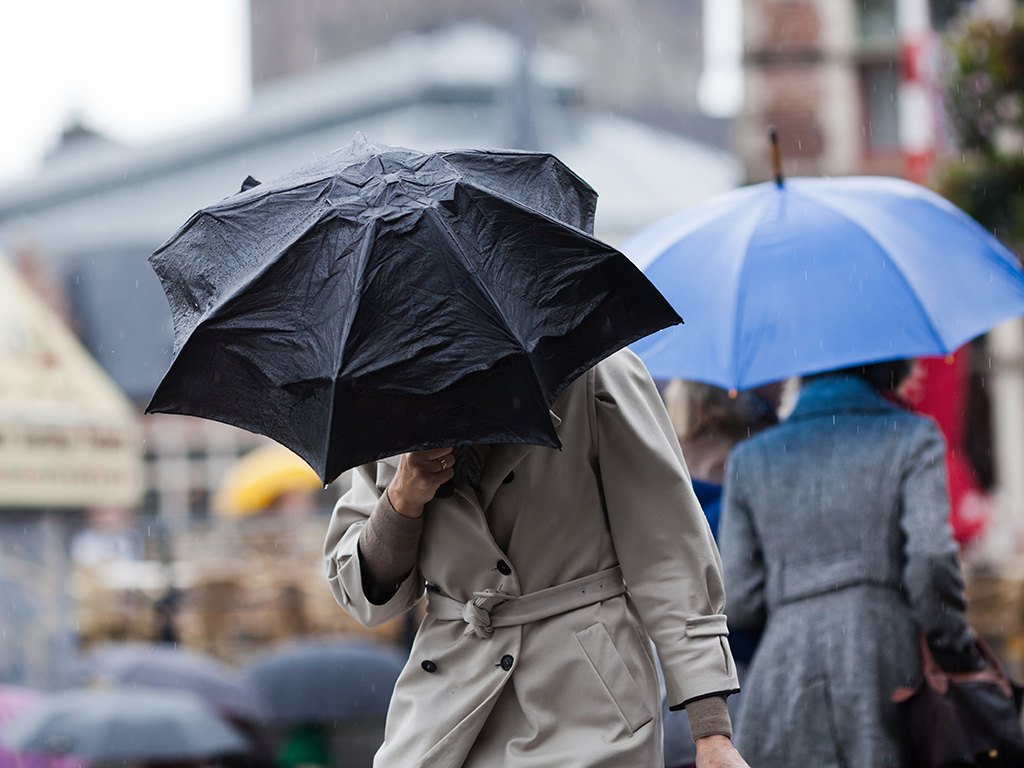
{"x":611,"y":670}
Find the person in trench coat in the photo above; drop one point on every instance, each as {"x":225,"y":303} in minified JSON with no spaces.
{"x":543,"y":582}
{"x":835,"y":538}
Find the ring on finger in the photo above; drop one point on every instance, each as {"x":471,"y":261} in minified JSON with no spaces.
{"x":444,"y":463}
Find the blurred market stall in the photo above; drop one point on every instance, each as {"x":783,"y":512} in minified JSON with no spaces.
{"x":68,"y":437}
{"x":69,"y":441}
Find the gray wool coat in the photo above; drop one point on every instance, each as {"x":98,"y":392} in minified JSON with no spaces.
{"x":834,"y":534}
{"x":577,"y":689}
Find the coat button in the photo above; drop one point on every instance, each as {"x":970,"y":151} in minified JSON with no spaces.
{"x":509,"y":477}
{"x":507,"y":662}
{"x":503,"y":568}
{"x":429,"y":666}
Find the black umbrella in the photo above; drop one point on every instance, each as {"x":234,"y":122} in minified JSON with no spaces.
{"x":172,"y":666}
{"x":382,"y":300}
{"x":326,"y":681}
{"x":114,"y":724}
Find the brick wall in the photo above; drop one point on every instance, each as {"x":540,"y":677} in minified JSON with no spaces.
{"x":791,"y":25}
{"x":793,"y":100}
{"x":783,"y":42}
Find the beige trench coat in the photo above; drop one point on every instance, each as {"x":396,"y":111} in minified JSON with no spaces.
{"x":580,"y":688}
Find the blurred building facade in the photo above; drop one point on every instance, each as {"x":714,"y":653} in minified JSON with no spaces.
{"x":69,"y":441}
{"x":832,"y":78}
{"x":644,"y":57}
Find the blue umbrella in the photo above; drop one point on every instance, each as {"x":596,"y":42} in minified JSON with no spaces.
{"x":786,"y":279}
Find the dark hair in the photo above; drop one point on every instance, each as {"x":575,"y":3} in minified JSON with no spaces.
{"x":882,"y":377}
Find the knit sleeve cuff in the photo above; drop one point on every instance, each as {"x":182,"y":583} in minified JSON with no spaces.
{"x":389,"y":545}
{"x":708,"y":717}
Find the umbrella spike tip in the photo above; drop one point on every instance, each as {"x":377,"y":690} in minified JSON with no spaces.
{"x":773,"y":137}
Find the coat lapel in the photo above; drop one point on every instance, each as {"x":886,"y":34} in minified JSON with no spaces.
{"x":501,"y":461}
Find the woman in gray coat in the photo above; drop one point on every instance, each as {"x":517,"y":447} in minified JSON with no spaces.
{"x":834,"y":537}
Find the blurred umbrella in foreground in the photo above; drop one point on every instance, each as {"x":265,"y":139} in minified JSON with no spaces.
{"x":123,"y":724}
{"x":14,"y":702}
{"x":805,"y":275}
{"x":170,"y":666}
{"x":382,"y":300}
{"x":264,"y":474}
{"x":326,"y":681}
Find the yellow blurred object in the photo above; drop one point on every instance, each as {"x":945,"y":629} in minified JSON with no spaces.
{"x":263,"y":475}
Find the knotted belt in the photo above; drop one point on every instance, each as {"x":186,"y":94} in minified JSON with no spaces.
{"x":491,"y":608}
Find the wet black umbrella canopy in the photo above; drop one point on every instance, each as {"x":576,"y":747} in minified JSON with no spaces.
{"x":381,"y":300}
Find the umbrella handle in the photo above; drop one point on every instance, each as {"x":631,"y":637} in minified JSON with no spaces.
{"x":445,"y":490}
{"x":773,"y":135}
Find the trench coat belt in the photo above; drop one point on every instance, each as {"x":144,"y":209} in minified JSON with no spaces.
{"x":490,"y":608}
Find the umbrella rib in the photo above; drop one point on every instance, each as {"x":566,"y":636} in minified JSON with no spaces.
{"x":741,"y":293}
{"x":484,"y":289}
{"x":357,"y":290}
{"x":471,"y":273}
{"x":875,"y":237}
{"x":294,"y":236}
{"x":682,"y":225}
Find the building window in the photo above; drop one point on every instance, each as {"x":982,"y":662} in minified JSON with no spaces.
{"x":876,"y":21}
{"x":944,"y":11}
{"x":879,"y":85}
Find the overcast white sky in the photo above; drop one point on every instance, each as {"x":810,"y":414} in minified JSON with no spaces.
{"x":141,"y":70}
{"x":136,"y":70}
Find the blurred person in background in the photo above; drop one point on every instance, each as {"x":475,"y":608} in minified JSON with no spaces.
{"x":835,"y":538}
{"x":709,"y":421}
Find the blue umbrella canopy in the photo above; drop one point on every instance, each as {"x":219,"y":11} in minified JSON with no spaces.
{"x":123,"y":724}
{"x":811,"y":275}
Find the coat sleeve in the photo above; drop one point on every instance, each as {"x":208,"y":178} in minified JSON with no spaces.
{"x":665,"y":548}
{"x":931,"y":572}
{"x":742,"y":558}
{"x":341,"y":550}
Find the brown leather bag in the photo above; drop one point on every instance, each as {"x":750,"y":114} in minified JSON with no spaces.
{"x":962,"y":719}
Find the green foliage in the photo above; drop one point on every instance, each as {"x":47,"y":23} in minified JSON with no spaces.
{"x":986,"y":83}
{"x":985,"y":105}
{"x":991,"y":192}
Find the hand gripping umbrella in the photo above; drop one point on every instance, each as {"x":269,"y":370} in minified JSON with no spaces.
{"x":382,"y":300}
